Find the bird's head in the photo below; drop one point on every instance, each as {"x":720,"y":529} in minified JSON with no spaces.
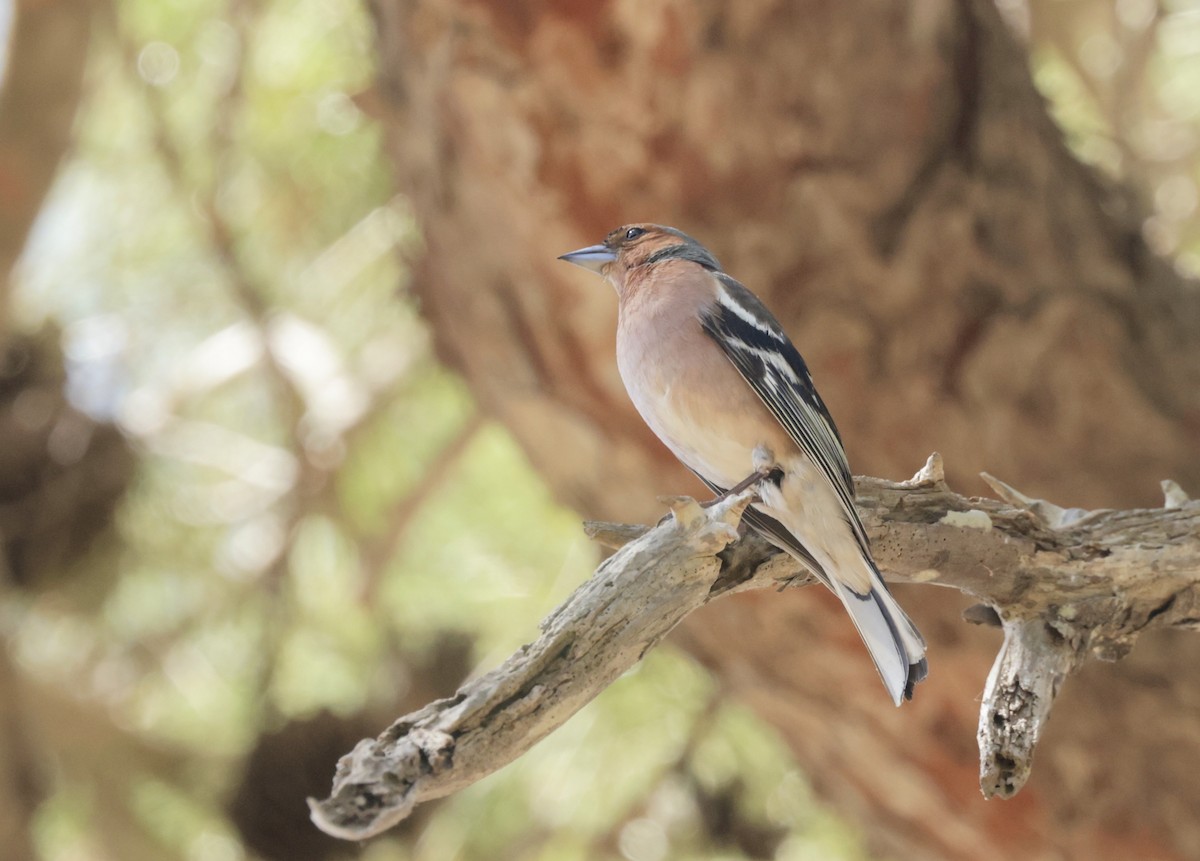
{"x":638,"y":247}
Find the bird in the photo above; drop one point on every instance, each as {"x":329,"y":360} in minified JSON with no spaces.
{"x":716,"y":378}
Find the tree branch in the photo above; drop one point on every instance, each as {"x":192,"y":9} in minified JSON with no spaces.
{"x":1020,"y":689}
{"x":1066,"y":584}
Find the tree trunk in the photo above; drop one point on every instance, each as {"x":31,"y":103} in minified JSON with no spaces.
{"x":886,"y":177}
{"x":42,"y":85}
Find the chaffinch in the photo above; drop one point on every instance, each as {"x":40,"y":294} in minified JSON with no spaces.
{"x":714,"y":376}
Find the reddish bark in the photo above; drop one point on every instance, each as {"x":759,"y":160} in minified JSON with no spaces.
{"x":887,"y":178}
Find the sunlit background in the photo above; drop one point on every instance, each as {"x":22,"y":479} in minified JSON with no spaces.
{"x":321,"y":531}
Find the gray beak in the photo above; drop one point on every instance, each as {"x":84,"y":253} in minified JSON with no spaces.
{"x":594,"y":257}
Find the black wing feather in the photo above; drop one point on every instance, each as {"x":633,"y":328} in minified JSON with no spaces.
{"x":773,"y":367}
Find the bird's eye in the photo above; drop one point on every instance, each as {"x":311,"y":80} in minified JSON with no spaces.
{"x":633,"y":233}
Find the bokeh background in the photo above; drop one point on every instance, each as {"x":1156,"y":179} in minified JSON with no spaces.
{"x":267,"y":483}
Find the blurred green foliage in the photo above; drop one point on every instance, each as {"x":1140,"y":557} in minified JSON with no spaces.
{"x":322,"y":523}
{"x":1123,"y":81}
{"x":319,"y":514}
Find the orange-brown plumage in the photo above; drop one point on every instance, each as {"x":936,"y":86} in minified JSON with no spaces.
{"x":715,"y":377}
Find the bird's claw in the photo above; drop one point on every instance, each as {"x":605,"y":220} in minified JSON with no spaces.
{"x":765,"y":472}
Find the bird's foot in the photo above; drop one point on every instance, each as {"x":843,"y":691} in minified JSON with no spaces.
{"x":764,"y":473}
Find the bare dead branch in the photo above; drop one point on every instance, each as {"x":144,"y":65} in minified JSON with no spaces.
{"x":1020,"y":689}
{"x":1067,"y":584}
{"x":634,"y":600}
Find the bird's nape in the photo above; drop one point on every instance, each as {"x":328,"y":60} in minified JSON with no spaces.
{"x":715,"y":376}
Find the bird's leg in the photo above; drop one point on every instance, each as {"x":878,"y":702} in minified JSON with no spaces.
{"x":753,"y":479}
{"x":765,"y":470}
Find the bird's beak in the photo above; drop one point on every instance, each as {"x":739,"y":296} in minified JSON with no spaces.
{"x":594,"y":257}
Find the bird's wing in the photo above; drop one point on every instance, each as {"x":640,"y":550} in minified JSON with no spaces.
{"x":762,"y":353}
{"x":775,"y":532}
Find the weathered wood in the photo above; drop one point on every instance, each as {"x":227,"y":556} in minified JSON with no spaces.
{"x":1066,"y":587}
{"x":886,"y":177}
{"x":632,"y":601}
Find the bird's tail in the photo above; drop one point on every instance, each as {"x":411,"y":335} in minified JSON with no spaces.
{"x":895,"y":644}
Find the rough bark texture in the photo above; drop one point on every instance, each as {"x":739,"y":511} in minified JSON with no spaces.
{"x":886,"y":177}
{"x":1067,"y":589}
{"x":605,"y":627}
